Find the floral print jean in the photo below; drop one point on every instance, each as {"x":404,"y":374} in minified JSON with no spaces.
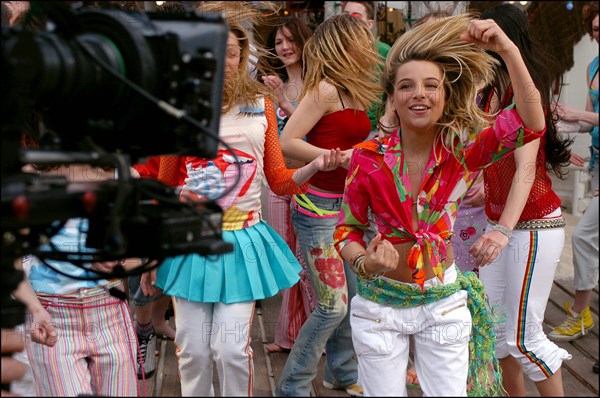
{"x":328,"y":326}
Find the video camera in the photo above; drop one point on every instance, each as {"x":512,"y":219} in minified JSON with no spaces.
{"x":110,"y":87}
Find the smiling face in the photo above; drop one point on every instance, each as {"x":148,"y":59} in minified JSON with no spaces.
{"x":418,"y":95}
{"x":286,"y":47}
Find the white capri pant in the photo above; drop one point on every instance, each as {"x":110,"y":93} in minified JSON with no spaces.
{"x":518,"y":284}
{"x":441,"y":330}
{"x":585,"y":243}
{"x":219,"y":332}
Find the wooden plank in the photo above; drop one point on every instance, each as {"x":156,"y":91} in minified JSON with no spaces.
{"x":170,"y":384}
{"x":270,"y":313}
{"x":262,"y":380}
{"x":578,"y":378}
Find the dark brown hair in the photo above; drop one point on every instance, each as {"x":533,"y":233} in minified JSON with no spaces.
{"x":539,"y":63}
{"x":590,"y":11}
{"x":299,"y":31}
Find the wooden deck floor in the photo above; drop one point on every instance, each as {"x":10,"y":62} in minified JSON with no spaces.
{"x":578,"y":378}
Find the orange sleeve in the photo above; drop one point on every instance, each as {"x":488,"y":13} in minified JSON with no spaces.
{"x":278,"y":175}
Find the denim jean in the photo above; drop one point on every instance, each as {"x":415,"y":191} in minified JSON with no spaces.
{"x":328,"y":326}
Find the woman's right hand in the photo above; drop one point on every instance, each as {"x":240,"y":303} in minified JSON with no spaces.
{"x":328,"y":161}
{"x":566,"y":113}
{"x":275,"y":83}
{"x":42,"y":330}
{"x":381,"y":256}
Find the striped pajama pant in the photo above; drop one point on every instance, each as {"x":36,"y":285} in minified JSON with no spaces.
{"x":95,"y":352}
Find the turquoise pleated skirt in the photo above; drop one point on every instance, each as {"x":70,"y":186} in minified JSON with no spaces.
{"x":260,"y":265}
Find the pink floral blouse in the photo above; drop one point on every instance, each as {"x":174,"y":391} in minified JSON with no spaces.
{"x":378,"y":179}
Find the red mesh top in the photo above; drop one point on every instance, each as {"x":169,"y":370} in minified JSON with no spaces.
{"x":498,"y":177}
{"x":343,"y":129}
{"x":164,"y":168}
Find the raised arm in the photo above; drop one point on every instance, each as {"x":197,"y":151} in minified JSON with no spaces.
{"x":487,"y":34}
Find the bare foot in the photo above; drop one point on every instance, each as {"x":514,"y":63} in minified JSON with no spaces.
{"x":272,"y":347}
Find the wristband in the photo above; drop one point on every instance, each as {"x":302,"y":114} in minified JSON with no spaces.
{"x":503,"y":230}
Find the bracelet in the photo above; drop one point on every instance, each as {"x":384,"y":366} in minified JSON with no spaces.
{"x":353,"y":261}
{"x":363,"y":274}
{"x":503,"y":230}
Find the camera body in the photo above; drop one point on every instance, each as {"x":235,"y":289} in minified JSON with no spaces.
{"x":177,"y":59}
{"x":108,"y":87}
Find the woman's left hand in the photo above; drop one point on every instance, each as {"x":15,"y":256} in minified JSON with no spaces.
{"x":488,"y":247}
{"x":487,"y":34}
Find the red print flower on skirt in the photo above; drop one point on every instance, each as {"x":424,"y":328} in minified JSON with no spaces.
{"x":466,"y":234}
{"x":331,"y":271}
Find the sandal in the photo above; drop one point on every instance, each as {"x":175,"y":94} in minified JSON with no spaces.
{"x":412,"y":380}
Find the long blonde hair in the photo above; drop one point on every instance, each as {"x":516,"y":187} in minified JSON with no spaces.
{"x":466,"y":68}
{"x":241,"y":88}
{"x":327,"y":57}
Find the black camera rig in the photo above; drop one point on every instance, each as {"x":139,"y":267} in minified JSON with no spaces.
{"x":110,"y":87}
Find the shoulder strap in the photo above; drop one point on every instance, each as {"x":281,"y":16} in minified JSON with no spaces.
{"x":341,"y":100}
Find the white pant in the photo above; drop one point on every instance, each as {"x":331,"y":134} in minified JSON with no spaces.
{"x":441,"y":330}
{"x":219,"y":332}
{"x":518,"y":284}
{"x":585,"y":243}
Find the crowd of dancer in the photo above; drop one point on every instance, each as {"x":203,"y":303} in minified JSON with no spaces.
{"x":398,"y":198}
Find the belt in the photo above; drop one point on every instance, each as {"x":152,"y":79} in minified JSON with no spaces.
{"x":544,"y":223}
{"x":86,"y":292}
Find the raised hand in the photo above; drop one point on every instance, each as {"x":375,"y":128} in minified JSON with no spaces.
{"x":275,"y":83}
{"x":487,"y":34}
